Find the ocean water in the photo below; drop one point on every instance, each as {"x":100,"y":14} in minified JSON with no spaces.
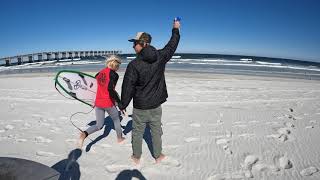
{"x":213,"y":63}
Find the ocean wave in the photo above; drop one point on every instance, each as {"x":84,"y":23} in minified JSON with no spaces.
{"x":48,"y":64}
{"x":268,"y":63}
{"x":79,"y":63}
{"x":208,"y":60}
{"x":246,"y":59}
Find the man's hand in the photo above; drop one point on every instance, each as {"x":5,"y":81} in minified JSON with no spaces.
{"x":176,"y":24}
{"x":124,"y":112}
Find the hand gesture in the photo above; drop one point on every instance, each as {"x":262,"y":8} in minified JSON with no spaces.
{"x":176,"y":24}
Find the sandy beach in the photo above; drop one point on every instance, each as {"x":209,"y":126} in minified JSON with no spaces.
{"x":215,"y":127}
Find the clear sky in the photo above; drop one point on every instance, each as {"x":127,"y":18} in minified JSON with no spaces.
{"x":273,"y":28}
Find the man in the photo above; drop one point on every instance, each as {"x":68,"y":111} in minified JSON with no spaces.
{"x":144,"y":81}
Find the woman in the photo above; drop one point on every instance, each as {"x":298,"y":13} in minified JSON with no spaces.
{"x":105,"y":99}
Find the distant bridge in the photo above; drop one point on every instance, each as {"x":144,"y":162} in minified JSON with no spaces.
{"x":49,"y":56}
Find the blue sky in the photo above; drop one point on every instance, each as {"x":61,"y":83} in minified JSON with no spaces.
{"x":273,"y":28}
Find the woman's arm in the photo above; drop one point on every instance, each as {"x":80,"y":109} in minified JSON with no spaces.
{"x":113,"y":79}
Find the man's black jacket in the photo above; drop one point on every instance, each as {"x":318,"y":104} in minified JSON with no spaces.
{"x":144,"y":79}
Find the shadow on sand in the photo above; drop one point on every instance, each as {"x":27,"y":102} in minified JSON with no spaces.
{"x":108,"y":126}
{"x":129,"y":174}
{"x":146,"y":136}
{"x":69,"y":169}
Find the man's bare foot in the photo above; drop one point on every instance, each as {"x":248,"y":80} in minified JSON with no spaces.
{"x":121,"y":140}
{"x":135,"y":160}
{"x":81,"y":139}
{"x":160,"y":158}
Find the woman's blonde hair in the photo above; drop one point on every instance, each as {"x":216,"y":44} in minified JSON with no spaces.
{"x":113,"y":62}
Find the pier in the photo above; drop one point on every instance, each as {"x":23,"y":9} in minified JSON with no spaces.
{"x":53,"y":56}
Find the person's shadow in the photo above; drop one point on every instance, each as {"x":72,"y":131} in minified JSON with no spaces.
{"x":69,"y":169}
{"x":146,"y":136}
{"x":108,"y":126}
{"x":129,"y":174}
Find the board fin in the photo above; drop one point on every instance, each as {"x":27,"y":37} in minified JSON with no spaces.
{"x":72,"y":94}
{"x":83,"y":79}
{"x":68,"y":82}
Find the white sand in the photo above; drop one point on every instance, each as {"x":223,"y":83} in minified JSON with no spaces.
{"x":215,"y":127}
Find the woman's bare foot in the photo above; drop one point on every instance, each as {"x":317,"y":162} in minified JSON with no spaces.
{"x":135,"y":160}
{"x":81,"y":139}
{"x":160,"y":158}
{"x":121,"y":140}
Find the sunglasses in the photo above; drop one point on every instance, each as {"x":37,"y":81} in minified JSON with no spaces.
{"x":135,"y":43}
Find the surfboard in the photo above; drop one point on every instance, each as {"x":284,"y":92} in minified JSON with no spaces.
{"x":77,"y":85}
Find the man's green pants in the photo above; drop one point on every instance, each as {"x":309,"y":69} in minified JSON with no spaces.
{"x":140,"y":120}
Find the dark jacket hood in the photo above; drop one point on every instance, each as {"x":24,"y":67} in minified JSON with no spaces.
{"x":149,"y":54}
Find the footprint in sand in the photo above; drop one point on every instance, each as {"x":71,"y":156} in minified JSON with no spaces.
{"x":285,"y":131}
{"x":191,"y":139}
{"x":309,"y":171}
{"x":289,"y":116}
{"x":41,"y":139}
{"x":282,"y":161}
{"x":21,"y":140}
{"x":11,"y":136}
{"x":249,"y":161}
{"x":45,"y":154}
{"x":289,"y":125}
{"x":114,"y":168}
{"x":260,"y":167}
{"x":9,"y":127}
{"x":195,"y":125}
{"x":222,"y":141}
{"x":283,"y":134}
{"x":27,"y":125}
{"x":279,"y":137}
{"x":228,"y":134}
{"x":309,"y":127}
{"x":169,"y":161}
{"x":285,"y":163}
{"x":227,"y":150}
